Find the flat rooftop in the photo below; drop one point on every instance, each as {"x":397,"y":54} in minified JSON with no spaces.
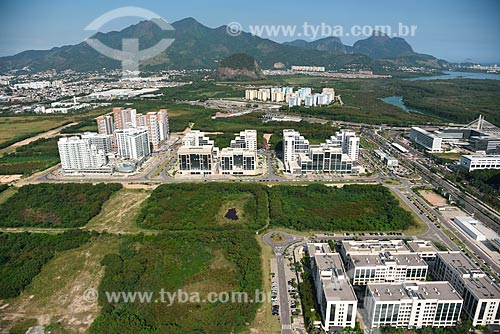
{"x":384,"y":259}
{"x":408,"y":291}
{"x":458,"y":261}
{"x":336,"y":286}
{"x":374,"y":246}
{"x":483,"y":287}
{"x":422,"y":246}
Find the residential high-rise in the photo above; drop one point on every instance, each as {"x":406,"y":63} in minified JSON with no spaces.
{"x":125,"y":118}
{"x":101,"y":141}
{"x":157,"y":124}
{"x":105,"y":125}
{"x":133,"y":143}
{"x":79,"y":155}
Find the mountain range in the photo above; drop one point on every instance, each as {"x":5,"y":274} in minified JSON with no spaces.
{"x":197,"y":46}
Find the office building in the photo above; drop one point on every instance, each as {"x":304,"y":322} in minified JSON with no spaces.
{"x":197,"y":155}
{"x":476,"y":162}
{"x":481,"y":295}
{"x":424,"y":248}
{"x":426,"y":139}
{"x":336,"y":297}
{"x":237,"y":161}
{"x":133,"y":143}
{"x":349,"y":142}
{"x":79,"y":155}
{"x":334,"y":156}
{"x":478,"y":136}
{"x":373,"y":247}
{"x":241,"y":157}
{"x":246,"y":139}
{"x":386,"y":267}
{"x":412,"y":305}
{"x":105,"y":125}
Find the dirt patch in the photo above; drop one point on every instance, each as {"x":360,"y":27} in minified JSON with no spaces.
{"x":9,"y":178}
{"x":433,"y":198}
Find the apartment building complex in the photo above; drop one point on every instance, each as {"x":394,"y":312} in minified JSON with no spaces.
{"x":481,"y":295}
{"x":80,"y":155}
{"x":412,"y":305}
{"x":336,"y":297}
{"x":336,"y":155}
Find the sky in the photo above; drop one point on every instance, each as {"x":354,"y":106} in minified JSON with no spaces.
{"x":454,"y":30}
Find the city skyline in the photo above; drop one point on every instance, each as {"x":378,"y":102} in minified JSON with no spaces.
{"x":450,"y":30}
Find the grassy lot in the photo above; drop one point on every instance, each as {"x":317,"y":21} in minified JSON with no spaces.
{"x":420,"y":227}
{"x":197,"y":263}
{"x":55,"y":205}
{"x":55,"y":294}
{"x":36,"y":156}
{"x":119,"y":213}
{"x":20,"y":126}
{"x":350,"y":208}
{"x":203,"y":206}
{"x":449,"y":156}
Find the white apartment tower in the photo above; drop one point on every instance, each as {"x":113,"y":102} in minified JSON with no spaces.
{"x":80,"y":155}
{"x":133,"y":143}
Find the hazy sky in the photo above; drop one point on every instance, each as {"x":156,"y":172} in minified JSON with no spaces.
{"x":450,"y":29}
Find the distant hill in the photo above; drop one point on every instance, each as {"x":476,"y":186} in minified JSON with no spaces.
{"x":381,"y":46}
{"x":239,"y":66}
{"x":383,"y":49}
{"x":324,"y":44}
{"x":197,"y":46}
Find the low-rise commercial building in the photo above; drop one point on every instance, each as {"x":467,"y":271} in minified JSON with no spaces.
{"x":476,"y":162}
{"x":468,"y":225}
{"x":412,"y":305}
{"x":336,"y":297}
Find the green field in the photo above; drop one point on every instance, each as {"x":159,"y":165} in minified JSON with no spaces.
{"x":204,"y":206}
{"x":350,"y":208}
{"x":13,"y":129}
{"x":28,"y":159}
{"x":22,"y":256}
{"x":55,"y":205}
{"x":198,"y":263}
